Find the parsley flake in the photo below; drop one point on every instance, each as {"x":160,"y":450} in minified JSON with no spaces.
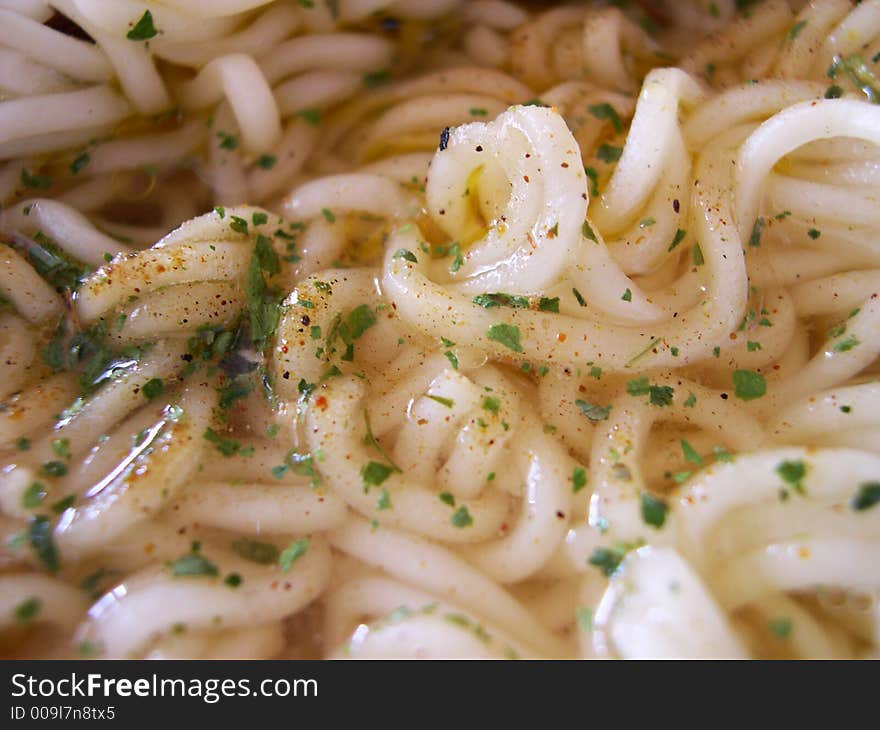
{"x":748,"y":385}
{"x":592,"y":411}
{"x":144,"y":29}
{"x":505,"y":334}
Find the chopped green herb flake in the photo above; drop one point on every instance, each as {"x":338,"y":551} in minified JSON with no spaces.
{"x":61,"y":448}
{"x":27,"y":610}
{"x":403,"y":253}
{"x":144,"y":29}
{"x":547,"y":304}
{"x":505,"y":334}
{"x":757,"y":228}
{"x":461,"y":517}
{"x":592,"y":411}
{"x":376,"y":78}
{"x":690,"y":453}
{"x":266,"y":162}
{"x":264,"y":553}
{"x":153,"y":388}
{"x":638,"y":386}
{"x":748,"y":385}
{"x":867,"y":496}
{"x":846,"y":344}
{"x":578,"y":479}
{"x":227,"y":141}
{"x":312,"y":116}
{"x":238,"y":224}
{"x":792,"y":472}
{"x":606,"y":112}
{"x":607,"y":560}
{"x":608,"y":153}
{"x":584,"y":617}
{"x":796,"y":29}
{"x":262,"y":302}
{"x":653,"y":510}
{"x":81,"y":160}
{"x":63,"y":504}
{"x":53,"y":264}
{"x":359,"y":320}
{"x":677,"y":239}
{"x":660,"y":395}
{"x":780,"y":627}
{"x":234,"y":390}
{"x":33,"y":496}
{"x":862,"y":77}
{"x":226,"y":446}
{"x":499,"y":299}
{"x":36,"y":182}
{"x":42,"y":542}
{"x":374,"y":473}
{"x":193,"y":564}
{"x":593,"y":177}
{"x":588,"y":233}
{"x":292,"y":553}
{"x":384,"y":501}
{"x":54,"y":468}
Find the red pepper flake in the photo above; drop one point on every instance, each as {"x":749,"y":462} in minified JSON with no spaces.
{"x":321,"y":402}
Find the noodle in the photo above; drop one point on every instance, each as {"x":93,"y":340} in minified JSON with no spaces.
{"x":595,"y":376}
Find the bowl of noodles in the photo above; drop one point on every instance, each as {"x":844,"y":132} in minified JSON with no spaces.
{"x":439,"y":329}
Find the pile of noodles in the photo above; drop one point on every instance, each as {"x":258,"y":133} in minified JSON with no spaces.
{"x":429,"y":328}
